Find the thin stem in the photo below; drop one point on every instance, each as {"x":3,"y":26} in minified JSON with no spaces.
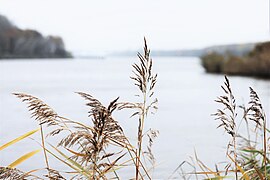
{"x":233,"y":118}
{"x":132,"y":157}
{"x":139,"y":173}
{"x":96,"y":155}
{"x":140,"y":135}
{"x":114,"y":171}
{"x":235,"y":157}
{"x":44,"y":151}
{"x":264,"y":146}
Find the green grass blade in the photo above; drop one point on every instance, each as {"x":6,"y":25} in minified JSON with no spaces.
{"x":243,"y":172}
{"x":74,"y":163}
{"x":63,"y":161}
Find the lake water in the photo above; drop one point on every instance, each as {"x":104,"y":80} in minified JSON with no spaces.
{"x":186,"y":99}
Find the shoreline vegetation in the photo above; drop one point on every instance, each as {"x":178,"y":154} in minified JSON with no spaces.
{"x":100,"y":149}
{"x":16,"y":43}
{"x":253,"y":63}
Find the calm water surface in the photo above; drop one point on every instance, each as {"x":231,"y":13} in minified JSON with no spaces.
{"x":186,"y":99}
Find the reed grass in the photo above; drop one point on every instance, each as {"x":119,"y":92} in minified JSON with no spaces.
{"x":247,"y":152}
{"x":97,"y":150}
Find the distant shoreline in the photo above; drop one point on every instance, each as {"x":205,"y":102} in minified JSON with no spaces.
{"x":255,"y":63}
{"x":16,"y":43}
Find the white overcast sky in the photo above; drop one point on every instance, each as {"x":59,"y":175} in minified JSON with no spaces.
{"x":115,"y":25}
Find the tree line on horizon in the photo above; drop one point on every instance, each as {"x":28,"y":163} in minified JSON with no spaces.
{"x":18,"y":43}
{"x":254,"y":63}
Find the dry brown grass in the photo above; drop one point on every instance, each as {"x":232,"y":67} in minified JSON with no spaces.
{"x":99,"y":149}
{"x":249,"y":152}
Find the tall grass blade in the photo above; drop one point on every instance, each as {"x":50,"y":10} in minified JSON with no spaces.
{"x":18,"y":139}
{"x":64,"y":162}
{"x":259,"y":174}
{"x":23,"y":158}
{"x":245,"y":175}
{"x":74,"y":163}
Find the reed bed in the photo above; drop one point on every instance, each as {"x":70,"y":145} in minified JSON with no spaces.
{"x":247,"y":153}
{"x":101,"y":150}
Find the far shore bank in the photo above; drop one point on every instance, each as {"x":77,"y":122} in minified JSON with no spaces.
{"x":255,"y":63}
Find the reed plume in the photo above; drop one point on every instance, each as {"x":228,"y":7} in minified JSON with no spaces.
{"x":256,"y":114}
{"x":91,"y":141}
{"x":227,"y":116}
{"x":88,"y":144}
{"x":145,"y":80}
{"x":12,"y":173}
{"x":42,"y":113}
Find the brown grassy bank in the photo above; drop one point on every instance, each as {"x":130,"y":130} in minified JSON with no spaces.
{"x":255,"y":63}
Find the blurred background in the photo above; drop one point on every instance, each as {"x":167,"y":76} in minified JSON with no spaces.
{"x":51,"y":49}
{"x":102,"y":26}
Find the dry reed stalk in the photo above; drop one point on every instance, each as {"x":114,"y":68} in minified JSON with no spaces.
{"x":257,"y":114}
{"x":227,"y":116}
{"x":145,"y":80}
{"x":44,"y":151}
{"x":44,"y":114}
{"x":105,"y":131}
{"x":151,"y":135}
{"x":92,"y":141}
{"x":250,"y":161}
{"x":254,"y":113}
